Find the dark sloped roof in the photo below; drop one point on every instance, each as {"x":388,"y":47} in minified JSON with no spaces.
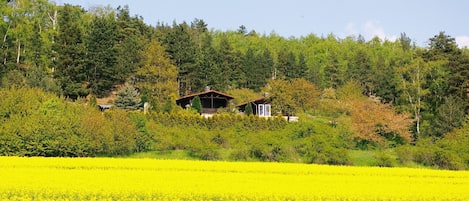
{"x":257,"y":100}
{"x":205,"y":92}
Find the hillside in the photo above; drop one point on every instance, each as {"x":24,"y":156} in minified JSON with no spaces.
{"x":351,"y":93}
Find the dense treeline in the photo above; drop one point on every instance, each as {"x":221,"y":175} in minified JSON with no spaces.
{"x":384,"y":93}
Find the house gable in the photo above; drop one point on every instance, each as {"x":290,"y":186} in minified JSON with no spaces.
{"x":261,"y":107}
{"x":211,"y":100}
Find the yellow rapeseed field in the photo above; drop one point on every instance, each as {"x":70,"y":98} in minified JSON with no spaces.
{"x":150,"y":179}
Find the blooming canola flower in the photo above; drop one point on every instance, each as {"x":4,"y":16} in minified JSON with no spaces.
{"x":39,"y":178}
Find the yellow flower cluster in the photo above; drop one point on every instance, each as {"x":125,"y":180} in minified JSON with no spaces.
{"x":149,"y":179}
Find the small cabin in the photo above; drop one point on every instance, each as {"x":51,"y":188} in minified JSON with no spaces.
{"x":102,"y":108}
{"x":260,"y":107}
{"x":211,"y":100}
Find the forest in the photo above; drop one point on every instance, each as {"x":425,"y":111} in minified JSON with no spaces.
{"x":350,"y":93}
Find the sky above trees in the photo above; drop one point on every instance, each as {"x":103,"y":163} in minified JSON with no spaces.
{"x":420,"y":20}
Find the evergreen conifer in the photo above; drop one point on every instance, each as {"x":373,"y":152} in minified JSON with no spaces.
{"x":128,"y":98}
{"x":248,"y":110}
{"x":197,"y":105}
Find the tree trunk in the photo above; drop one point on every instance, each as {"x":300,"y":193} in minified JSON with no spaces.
{"x":417,"y":117}
{"x":18,"y":54}
{"x":3,"y":45}
{"x":53,"y":19}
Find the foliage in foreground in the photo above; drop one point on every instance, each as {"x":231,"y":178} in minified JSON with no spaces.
{"x":34,"y":123}
{"x":147,"y":179}
{"x":450,"y":152}
{"x":251,"y":138}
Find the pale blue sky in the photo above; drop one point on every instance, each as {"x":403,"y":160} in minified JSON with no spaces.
{"x":419,"y":19}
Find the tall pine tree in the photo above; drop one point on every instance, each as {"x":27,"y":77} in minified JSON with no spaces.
{"x":359,"y":70}
{"x":443,"y":48}
{"x":332,"y":74}
{"x":206,"y":71}
{"x":132,"y":38}
{"x":70,"y":50}
{"x":182,"y":50}
{"x":250,"y":69}
{"x":301,"y":68}
{"x":102,"y":54}
{"x":229,"y":62}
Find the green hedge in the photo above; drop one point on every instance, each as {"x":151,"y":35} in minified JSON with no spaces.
{"x":35,"y":123}
{"x":187,"y":119}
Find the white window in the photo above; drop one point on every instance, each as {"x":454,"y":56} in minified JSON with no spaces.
{"x":267,"y":108}
{"x":264,"y":110}
{"x":260,"y":110}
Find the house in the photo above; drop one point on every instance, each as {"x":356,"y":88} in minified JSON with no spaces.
{"x":211,"y":100}
{"x":260,"y":107}
{"x":103,"y":107}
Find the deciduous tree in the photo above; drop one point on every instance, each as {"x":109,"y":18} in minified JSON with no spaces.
{"x":413,"y":87}
{"x":157,"y":77}
{"x":291,"y":96}
{"x":372,"y":120}
{"x":243,"y":95}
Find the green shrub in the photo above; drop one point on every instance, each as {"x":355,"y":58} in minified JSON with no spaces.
{"x":128,"y":98}
{"x":203,"y":150}
{"x":93,"y":102}
{"x":320,"y":153}
{"x":221,"y":121}
{"x":197,"y":105}
{"x":443,"y":153}
{"x":35,"y":123}
{"x":124,"y":132}
{"x":405,"y":154}
{"x":144,"y":140}
{"x":319,"y":142}
{"x":240,"y":154}
{"x":209,"y":154}
{"x":424,"y":151}
{"x":384,"y":160}
{"x":457,"y":142}
{"x":447,"y":160}
{"x":248,"y":110}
